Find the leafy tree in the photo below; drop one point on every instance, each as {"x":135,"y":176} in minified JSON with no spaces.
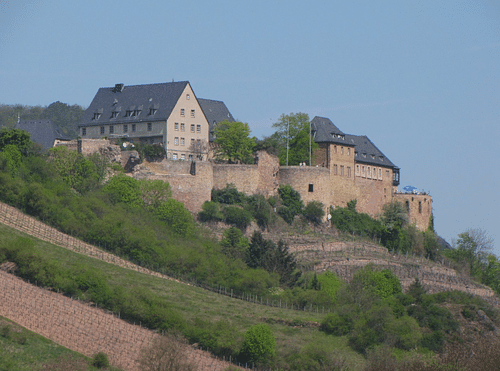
{"x":11,"y":159}
{"x":241,"y":218}
{"x":124,"y":189}
{"x":65,"y":117}
{"x":17,"y":137}
{"x":234,"y":243}
{"x":210,"y":211}
{"x":472,"y":248}
{"x":258,"y":250}
{"x":176,"y":216}
{"x":228,"y":195}
{"x":394,"y":215}
{"x":154,"y":192}
{"x":290,"y":198}
{"x":294,"y":128}
{"x":260,"y":209}
{"x":100,"y":360}
{"x":166,"y":353}
{"x":314,"y":212}
{"x":233,"y":142}
{"x":259,"y":345}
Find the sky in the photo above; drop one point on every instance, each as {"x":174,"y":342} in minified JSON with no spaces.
{"x":420,"y":78}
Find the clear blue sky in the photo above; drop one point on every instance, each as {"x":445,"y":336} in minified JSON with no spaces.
{"x":420,"y":78}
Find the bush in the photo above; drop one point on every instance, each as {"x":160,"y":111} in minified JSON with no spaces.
{"x":100,"y":360}
{"x":259,"y":345}
{"x":260,"y":209}
{"x":175,"y":215}
{"x":237,"y":216}
{"x":314,"y":212}
{"x":291,"y":199}
{"x":338,"y":325}
{"x":228,"y":195}
{"x":210,"y":211}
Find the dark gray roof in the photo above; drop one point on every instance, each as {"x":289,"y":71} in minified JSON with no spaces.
{"x":367,"y":152}
{"x":144,"y":98}
{"x":43,"y":132}
{"x":215,"y":111}
{"x":325,"y":131}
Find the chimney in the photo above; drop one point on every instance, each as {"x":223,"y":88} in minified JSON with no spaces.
{"x":118,"y":88}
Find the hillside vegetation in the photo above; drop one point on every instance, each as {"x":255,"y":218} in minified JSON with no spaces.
{"x":139,"y":221}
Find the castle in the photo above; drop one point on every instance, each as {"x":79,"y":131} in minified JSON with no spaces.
{"x":345,"y":166}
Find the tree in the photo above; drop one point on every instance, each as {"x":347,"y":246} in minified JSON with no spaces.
{"x":176,"y":216}
{"x":234,"y":243}
{"x":291,"y":201}
{"x":17,"y":137}
{"x":314,"y":212}
{"x":472,"y":247}
{"x":259,"y":345}
{"x":199,"y":148}
{"x":124,"y":189}
{"x":294,"y":129}
{"x":154,"y":192}
{"x":233,"y":142}
{"x":166,"y":353}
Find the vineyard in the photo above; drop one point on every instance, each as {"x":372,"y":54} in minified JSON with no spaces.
{"x":89,"y":330}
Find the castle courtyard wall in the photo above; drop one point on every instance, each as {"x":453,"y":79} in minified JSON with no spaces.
{"x":419,"y":207}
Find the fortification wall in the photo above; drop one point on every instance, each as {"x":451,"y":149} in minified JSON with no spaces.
{"x":244,"y":177}
{"x":313,"y":183}
{"x":373,"y":194}
{"x":90,"y":146}
{"x":268,"y":167}
{"x":419,"y":208}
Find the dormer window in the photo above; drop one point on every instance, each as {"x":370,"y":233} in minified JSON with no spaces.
{"x":128,"y":113}
{"x":364,"y":155}
{"x":96,"y":116}
{"x":153,"y":109}
{"x":381,"y":158}
{"x":373,"y":157}
{"x":114,"y":114}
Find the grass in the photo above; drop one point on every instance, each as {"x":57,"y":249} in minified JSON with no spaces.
{"x":196,"y":303}
{"x":23,"y":350}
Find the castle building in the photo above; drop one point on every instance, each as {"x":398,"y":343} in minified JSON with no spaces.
{"x":167,"y":114}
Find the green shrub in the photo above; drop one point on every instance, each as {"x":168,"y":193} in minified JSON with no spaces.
{"x":100,"y":360}
{"x":176,"y":216}
{"x":314,"y":212}
{"x":291,"y":199}
{"x":237,"y":216}
{"x":286,"y":213}
{"x":260,"y":209}
{"x":259,"y":345}
{"x":210,"y":211}
{"x":124,"y":189}
{"x":228,"y":195}
{"x":5,"y":331}
{"x":234,"y":244}
{"x":338,"y":325}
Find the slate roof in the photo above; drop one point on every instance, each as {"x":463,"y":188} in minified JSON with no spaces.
{"x":365,"y":151}
{"x":122,"y":98}
{"x":215,"y":111}
{"x":325,"y":131}
{"x":43,"y":132}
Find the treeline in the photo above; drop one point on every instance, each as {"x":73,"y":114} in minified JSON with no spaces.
{"x":66,"y":116}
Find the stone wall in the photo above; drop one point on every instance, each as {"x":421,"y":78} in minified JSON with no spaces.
{"x":313,"y":183}
{"x":373,"y":194}
{"x":419,"y":208}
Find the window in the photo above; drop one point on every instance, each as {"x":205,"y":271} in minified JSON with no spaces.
{"x":128,"y":113}
{"x":192,"y":128}
{"x":111,"y":129}
{"x":334,"y":149}
{"x":84,"y":131}
{"x":183,"y":142}
{"x":363,"y":172}
{"x":133,"y":128}
{"x":183,"y":157}
{"x":311,"y":187}
{"x":341,"y":170}
{"x":174,"y":156}
{"x":102,"y":129}
{"x":380,"y":174}
{"x":348,"y":151}
{"x":187,"y":96}
{"x":334,"y":169}
{"x":183,"y":126}
{"x":387,"y":174}
{"x":96,"y":116}
{"x":198,"y":128}
{"x":190,"y":157}
{"x":192,"y":142}
{"x":151,"y":140}
{"x":150,"y":126}
{"x":114,"y":114}
{"x":368,"y":172}
{"x":341,"y":150}
{"x":420,"y":207}
{"x":357,"y":170}
{"x":192,"y":113}
{"x":176,"y":141}
{"x":182,"y":112}
{"x":152,"y":111}
{"x":348,"y":171}
{"x":176,"y":126}
{"x":125,"y":128}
